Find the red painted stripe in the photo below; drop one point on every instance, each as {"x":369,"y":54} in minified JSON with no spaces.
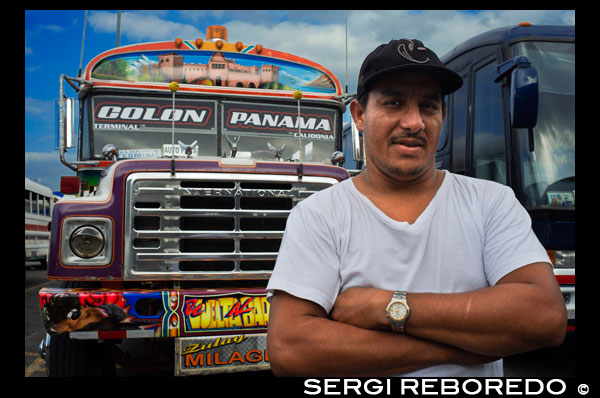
{"x":565,"y":279}
{"x":34,"y":227}
{"x":112,"y":334}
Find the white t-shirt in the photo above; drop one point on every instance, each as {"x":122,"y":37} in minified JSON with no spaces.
{"x":472,"y":233}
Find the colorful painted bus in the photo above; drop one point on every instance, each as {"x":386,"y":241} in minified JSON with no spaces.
{"x":190,"y":156}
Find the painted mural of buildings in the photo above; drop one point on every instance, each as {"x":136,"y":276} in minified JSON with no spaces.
{"x":220,"y":71}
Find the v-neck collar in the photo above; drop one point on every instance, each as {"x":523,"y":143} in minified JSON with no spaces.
{"x":425,"y":215}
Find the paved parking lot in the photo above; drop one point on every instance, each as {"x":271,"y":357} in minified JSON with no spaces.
{"x":35,"y":279}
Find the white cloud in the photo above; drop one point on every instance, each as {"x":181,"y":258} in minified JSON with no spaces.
{"x":141,"y":26}
{"x":38,"y":107}
{"x":46,"y":168}
{"x":53,"y":28}
{"x":40,"y":157}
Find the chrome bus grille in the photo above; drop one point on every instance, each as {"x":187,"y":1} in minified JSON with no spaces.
{"x":208,"y":225}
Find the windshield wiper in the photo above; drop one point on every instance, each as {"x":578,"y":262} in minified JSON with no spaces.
{"x":233,"y":143}
{"x":188,"y":149}
{"x":277,"y":152}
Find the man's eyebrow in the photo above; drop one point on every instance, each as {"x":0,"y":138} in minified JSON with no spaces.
{"x":397,"y":93}
{"x":392,"y":93}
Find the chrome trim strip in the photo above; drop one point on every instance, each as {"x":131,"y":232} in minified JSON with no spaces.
{"x":214,"y":212}
{"x":210,"y":234}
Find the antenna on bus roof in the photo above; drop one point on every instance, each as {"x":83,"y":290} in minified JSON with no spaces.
{"x":118,"y":28}
{"x":346,"y":81}
{"x":82,"y":42}
{"x":345,"y":97}
{"x":173,"y":86}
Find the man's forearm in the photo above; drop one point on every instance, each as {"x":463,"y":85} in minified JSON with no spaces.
{"x":315,"y":345}
{"x":499,"y":320}
{"x":508,"y":318}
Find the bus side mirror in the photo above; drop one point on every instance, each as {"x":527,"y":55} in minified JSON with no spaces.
{"x":523,"y":91}
{"x":524,"y":96}
{"x":65,"y":123}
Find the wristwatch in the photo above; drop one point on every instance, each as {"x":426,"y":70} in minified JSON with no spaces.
{"x":398,"y":311}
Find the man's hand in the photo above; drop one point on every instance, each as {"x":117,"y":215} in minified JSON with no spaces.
{"x":362,"y":307}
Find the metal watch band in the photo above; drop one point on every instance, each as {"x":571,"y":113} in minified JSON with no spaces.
{"x":398,"y":327}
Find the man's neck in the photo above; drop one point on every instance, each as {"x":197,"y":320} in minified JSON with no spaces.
{"x":375,"y":183}
{"x":402,"y":201}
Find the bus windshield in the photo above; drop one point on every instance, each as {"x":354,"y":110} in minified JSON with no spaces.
{"x":140,"y":127}
{"x":548,"y":173}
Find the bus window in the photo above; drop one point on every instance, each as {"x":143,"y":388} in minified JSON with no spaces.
{"x":47,"y":206}
{"x":27,"y":201}
{"x":443,"y":135}
{"x":459,"y":127}
{"x":34,"y":202}
{"x":489,"y":155}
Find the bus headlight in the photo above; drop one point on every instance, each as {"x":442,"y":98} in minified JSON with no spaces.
{"x":86,"y":241}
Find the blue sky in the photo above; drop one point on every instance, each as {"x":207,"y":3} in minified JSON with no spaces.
{"x":53,"y":41}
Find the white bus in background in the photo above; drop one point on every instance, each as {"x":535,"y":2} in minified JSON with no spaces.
{"x":39,"y":201}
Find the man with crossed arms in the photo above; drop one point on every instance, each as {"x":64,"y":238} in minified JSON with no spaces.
{"x":406,"y":269}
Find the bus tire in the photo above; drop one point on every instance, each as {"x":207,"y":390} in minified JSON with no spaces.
{"x":75,"y":358}
{"x":67,"y":357}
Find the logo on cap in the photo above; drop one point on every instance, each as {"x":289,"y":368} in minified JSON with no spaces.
{"x":411,"y":47}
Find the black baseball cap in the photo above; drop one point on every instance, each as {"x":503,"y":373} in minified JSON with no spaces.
{"x":401,"y":55}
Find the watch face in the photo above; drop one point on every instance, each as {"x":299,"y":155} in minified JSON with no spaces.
{"x":398,"y":311}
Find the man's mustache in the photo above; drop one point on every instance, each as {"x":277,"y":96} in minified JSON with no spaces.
{"x":412,"y":139}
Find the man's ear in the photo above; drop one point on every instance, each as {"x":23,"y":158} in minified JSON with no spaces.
{"x":357,"y":113}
